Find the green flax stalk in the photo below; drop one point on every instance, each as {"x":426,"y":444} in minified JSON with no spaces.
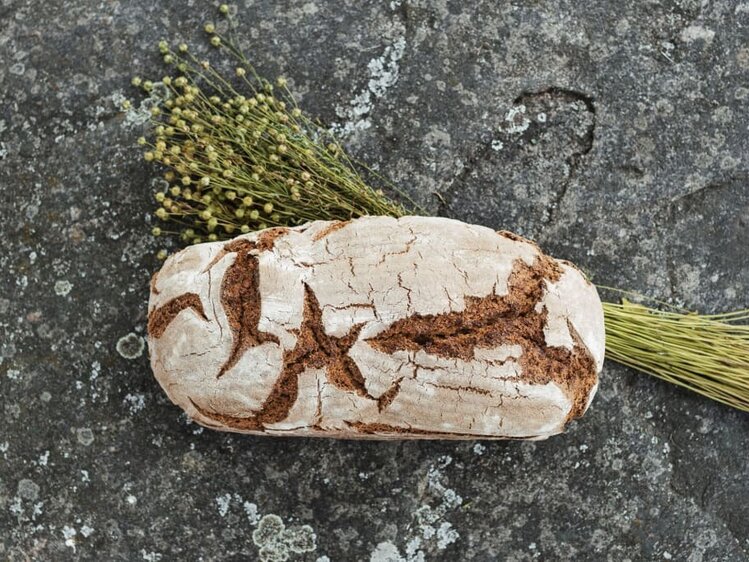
{"x":708,"y":354}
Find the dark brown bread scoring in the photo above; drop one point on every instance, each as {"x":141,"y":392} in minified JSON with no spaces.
{"x":240,"y":298}
{"x":160,"y":318}
{"x":493,"y":320}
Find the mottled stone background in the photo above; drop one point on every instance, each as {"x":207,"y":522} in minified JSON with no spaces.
{"x":614,"y":133}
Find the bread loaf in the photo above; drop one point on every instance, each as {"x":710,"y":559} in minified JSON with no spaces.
{"x":381,"y":328}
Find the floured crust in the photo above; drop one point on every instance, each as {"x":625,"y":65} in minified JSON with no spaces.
{"x":377,"y":328}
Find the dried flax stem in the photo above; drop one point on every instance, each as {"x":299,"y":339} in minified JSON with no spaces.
{"x":708,"y":354}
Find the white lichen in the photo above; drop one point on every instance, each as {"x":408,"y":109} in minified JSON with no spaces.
{"x":413,"y":551}
{"x":383,"y":75}
{"x":130,"y":346}
{"x":516,"y":120}
{"x":386,"y":552}
{"x":383,"y":71}
{"x":697,"y":33}
{"x":432,"y":531}
{"x":276,"y":541}
{"x":250,"y":510}
{"x":69,"y":534}
{"x":137,"y":116}
{"x":85,"y":436}
{"x":223,"y":503}
{"x":134,"y":402}
{"x":446,"y":535}
{"x":28,"y":489}
{"x":16,"y":508}
{"x":63,"y":287}
{"x":95,"y":370}
{"x":43,"y":459}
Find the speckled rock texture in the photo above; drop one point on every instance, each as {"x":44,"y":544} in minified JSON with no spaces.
{"x":376,"y":328}
{"x":614,"y":134}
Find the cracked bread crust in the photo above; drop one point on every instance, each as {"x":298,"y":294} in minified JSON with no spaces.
{"x":377,"y":328}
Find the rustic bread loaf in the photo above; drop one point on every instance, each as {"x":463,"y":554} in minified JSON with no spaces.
{"x":377,"y":328}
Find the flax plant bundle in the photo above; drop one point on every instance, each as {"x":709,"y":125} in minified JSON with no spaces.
{"x":241,"y":156}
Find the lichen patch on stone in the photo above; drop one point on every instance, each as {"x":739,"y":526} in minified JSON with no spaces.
{"x":63,"y":287}
{"x":130,"y":346}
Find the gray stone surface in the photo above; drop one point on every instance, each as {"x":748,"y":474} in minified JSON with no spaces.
{"x":616,"y":134}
